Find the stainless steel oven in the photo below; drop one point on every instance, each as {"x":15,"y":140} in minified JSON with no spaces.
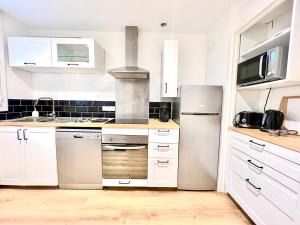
{"x":124,"y":158}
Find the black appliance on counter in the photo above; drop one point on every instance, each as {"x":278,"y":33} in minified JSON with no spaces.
{"x":164,"y":113}
{"x":248,"y":119}
{"x":272,"y":120}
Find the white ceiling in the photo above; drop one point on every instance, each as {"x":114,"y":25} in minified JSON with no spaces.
{"x":194,"y":16}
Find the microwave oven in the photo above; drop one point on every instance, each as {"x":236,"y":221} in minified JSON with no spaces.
{"x":268,"y":66}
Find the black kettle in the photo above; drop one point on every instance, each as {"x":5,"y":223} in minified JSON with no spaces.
{"x":272,"y":120}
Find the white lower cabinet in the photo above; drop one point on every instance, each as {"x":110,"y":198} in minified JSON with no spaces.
{"x":28,"y":156}
{"x":264,"y":181}
{"x":163,"y":157}
{"x":162,"y":172}
{"x":12,"y":157}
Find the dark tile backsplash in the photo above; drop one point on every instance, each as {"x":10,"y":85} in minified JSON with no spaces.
{"x":18,"y":108}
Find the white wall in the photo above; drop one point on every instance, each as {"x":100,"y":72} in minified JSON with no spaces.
{"x":19,"y":83}
{"x":192,"y":62}
{"x":221,"y":52}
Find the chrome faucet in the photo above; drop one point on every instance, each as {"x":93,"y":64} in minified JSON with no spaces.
{"x":53,"y":106}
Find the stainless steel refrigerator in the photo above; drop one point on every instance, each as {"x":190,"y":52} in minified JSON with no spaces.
{"x":198,"y":111}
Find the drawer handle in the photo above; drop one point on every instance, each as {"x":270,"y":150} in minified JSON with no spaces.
{"x":253,"y":142}
{"x":257,"y":188}
{"x":258,"y":145}
{"x":121,"y":182}
{"x":163,"y":131}
{"x":259,"y":167}
{"x":73,"y":64}
{"x":163,"y":146}
{"x":163,"y":162}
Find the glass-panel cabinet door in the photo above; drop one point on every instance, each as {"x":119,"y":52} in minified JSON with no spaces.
{"x":73,"y":52}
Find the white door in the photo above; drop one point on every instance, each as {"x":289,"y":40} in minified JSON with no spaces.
{"x":162,"y":172}
{"x":12,"y":159}
{"x":170,"y":68}
{"x":29,"y":51}
{"x":40,"y":154}
{"x":73,"y":52}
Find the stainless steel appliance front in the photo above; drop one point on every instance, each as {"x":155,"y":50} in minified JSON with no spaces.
{"x":125,"y":156}
{"x":199,"y":112}
{"x":79,"y":158}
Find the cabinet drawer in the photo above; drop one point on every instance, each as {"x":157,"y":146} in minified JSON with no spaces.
{"x":162,"y":172}
{"x":278,"y":158}
{"x":163,"y":150}
{"x":262,"y":169}
{"x":255,"y":204}
{"x":260,"y":184}
{"x":124,"y":182}
{"x":164,"y":135}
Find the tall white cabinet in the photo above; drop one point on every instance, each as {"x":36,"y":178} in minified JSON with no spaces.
{"x":3,"y":91}
{"x":28,"y":156}
{"x":169,"y":69}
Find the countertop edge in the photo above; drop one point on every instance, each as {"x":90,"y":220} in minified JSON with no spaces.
{"x":289,"y":142}
{"x":153,"y":124}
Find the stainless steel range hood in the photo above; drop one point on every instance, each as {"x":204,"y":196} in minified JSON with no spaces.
{"x":131,"y":70}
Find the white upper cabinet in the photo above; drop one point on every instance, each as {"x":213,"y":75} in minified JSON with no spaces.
{"x":169,"y":69}
{"x":29,"y":52}
{"x":73,"y":52}
{"x":3,"y":89}
{"x":56,"y":55}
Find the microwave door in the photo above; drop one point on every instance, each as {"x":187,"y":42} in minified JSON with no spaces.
{"x":253,"y":70}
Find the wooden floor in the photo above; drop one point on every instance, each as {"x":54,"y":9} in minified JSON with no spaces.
{"x":134,"y":207}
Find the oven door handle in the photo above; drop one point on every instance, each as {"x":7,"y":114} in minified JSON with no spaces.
{"x":116,"y":148}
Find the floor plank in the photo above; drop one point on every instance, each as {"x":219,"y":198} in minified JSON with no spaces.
{"x":129,"y":207}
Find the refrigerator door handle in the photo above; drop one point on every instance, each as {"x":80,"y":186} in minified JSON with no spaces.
{"x":199,"y":114}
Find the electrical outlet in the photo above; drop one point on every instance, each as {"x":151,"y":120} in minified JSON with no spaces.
{"x":108,"y":108}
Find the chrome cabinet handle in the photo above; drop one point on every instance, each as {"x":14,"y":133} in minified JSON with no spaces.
{"x":77,"y":136}
{"x":121,"y":182}
{"x":257,"y":145}
{"x":163,"y":162}
{"x":250,"y":162}
{"x":166,"y":88}
{"x":29,"y":63}
{"x":24,"y":134}
{"x":257,"y":188}
{"x":163,"y":146}
{"x":18,"y":135}
{"x":253,"y":142}
{"x":72,"y":64}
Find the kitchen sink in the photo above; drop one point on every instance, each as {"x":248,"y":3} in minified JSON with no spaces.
{"x":31,"y":119}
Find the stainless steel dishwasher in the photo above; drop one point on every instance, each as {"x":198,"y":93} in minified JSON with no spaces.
{"x":79,"y":158}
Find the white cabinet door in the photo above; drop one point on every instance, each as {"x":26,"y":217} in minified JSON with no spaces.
{"x":29,"y":51}
{"x":162,"y":172}
{"x":169,"y":68}
{"x":73,"y":52}
{"x":3,"y":89}
{"x":12,"y":163}
{"x":40,"y":156}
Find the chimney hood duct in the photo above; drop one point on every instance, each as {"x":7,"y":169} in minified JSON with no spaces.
{"x":131,"y":70}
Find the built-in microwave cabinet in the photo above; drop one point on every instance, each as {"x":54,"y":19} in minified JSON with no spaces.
{"x":278,"y":25}
{"x":169,"y":69}
{"x":67,"y":55}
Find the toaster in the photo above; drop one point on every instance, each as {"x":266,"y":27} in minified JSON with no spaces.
{"x":248,"y":119}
